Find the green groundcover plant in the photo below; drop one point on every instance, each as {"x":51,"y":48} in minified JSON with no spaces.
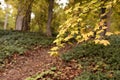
{"x":18,"y":42}
{"x":99,"y":62}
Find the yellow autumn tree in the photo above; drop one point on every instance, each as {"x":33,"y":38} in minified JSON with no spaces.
{"x":85,"y":23}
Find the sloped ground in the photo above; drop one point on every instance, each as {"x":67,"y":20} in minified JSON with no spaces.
{"x":37,"y":61}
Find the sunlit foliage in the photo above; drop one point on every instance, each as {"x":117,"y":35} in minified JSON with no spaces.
{"x":84,"y":24}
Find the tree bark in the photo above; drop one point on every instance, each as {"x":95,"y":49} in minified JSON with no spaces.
{"x":109,"y":19}
{"x":50,"y":13}
{"x":103,"y":20}
{"x":27,"y":17}
{"x":24,"y":15}
{"x":19,"y":18}
{"x":6,"y":19}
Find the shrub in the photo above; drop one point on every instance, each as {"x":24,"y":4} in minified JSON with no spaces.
{"x":99,"y":76}
{"x":96,"y":58}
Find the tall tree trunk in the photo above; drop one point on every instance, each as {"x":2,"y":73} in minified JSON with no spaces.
{"x":24,"y":15}
{"x":27,"y":17}
{"x":109,"y":19}
{"x":20,"y":16}
{"x":6,"y":19}
{"x":50,"y":13}
{"x":105,"y":18}
{"x":103,"y":21}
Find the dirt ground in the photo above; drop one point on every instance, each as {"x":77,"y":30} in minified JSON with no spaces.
{"x":36,"y":61}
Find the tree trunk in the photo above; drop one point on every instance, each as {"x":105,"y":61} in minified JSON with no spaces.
{"x":109,"y":19}
{"x":50,"y":13}
{"x":24,"y":15}
{"x":19,"y":21}
{"x":27,"y":17}
{"x":6,"y":19}
{"x":20,"y":16}
{"x":103,"y":20}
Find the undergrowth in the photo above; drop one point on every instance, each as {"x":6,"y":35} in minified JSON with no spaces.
{"x":98,"y":62}
{"x":18,"y":42}
{"x":46,"y":75}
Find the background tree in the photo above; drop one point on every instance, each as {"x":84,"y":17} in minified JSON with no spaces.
{"x":40,"y":11}
{"x":59,"y":17}
{"x":1,"y":18}
{"x":6,"y":17}
{"x":50,"y":14}
{"x":24,"y":15}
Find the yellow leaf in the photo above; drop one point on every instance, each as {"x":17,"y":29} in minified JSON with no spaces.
{"x":104,"y":27}
{"x":78,"y":37}
{"x":105,"y":42}
{"x":74,"y":32}
{"x":77,"y":5}
{"x":85,"y":37}
{"x":67,"y":38}
{"x":96,"y":27}
{"x":114,"y":1}
{"x":53,"y":53}
{"x":90,"y":33}
{"x":80,"y":19}
{"x":117,"y":32}
{"x":69,"y":10}
{"x":100,"y":31}
{"x":96,"y":41}
{"x":54,"y":48}
{"x":97,"y":37}
{"x":108,"y":33}
{"x":82,"y":24}
{"x":79,"y":41}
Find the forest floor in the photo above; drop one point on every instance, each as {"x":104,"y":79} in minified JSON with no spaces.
{"x":36,"y":61}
